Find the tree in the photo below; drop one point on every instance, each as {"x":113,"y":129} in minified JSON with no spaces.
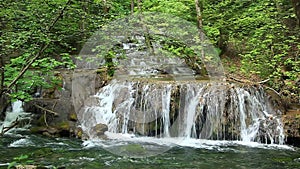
{"x":263,"y":35}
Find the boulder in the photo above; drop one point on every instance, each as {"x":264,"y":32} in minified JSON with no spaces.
{"x":99,"y":130}
{"x":54,"y":110}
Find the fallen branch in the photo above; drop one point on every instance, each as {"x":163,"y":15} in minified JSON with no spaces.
{"x":261,"y":83}
{"x":45,"y":118}
{"x":6,"y":129}
{"x":239,"y":80}
{"x":278,"y":94}
{"x":264,"y":81}
{"x":46,"y":110}
{"x":247,"y":81}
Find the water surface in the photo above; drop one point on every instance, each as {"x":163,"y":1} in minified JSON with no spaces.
{"x":72,"y":153}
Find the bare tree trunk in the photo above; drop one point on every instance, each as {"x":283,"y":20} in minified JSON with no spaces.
{"x":2,"y":98}
{"x":2,"y":74}
{"x":146,"y":30}
{"x":84,"y":7}
{"x":132,"y":7}
{"x":200,"y":25}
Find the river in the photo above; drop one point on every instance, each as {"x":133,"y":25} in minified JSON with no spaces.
{"x":72,"y":153}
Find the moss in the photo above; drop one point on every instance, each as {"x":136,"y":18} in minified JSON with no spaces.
{"x":37,"y":129}
{"x":64,"y":125}
{"x":79,"y":134}
{"x":73,"y":116}
{"x":41,"y":121}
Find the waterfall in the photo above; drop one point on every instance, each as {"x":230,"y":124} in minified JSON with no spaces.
{"x":201,"y":110}
{"x":17,"y":115}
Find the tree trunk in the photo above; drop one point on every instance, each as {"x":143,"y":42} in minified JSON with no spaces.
{"x":2,"y":74}
{"x":200,"y":25}
{"x":296,"y":5}
{"x":145,"y":29}
{"x":84,"y":8}
{"x":132,"y":7}
{"x":105,"y":7}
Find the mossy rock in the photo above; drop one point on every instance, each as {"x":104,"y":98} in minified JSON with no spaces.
{"x":37,"y":129}
{"x":79,"y":133}
{"x":64,"y":126}
{"x":73,"y":117}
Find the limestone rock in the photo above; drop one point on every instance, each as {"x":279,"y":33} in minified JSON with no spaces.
{"x":99,"y":130}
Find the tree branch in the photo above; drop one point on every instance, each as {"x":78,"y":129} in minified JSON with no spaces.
{"x":274,"y":91}
{"x":39,"y":52}
{"x":264,"y":81}
{"x":238,"y":80}
{"x":46,"y":110}
{"x":6,"y":129}
{"x":247,"y":81}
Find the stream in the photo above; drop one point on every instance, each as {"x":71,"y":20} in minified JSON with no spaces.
{"x":175,"y":121}
{"x":72,"y":153}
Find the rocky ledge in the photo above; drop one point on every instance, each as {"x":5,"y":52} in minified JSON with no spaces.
{"x":54,"y":113}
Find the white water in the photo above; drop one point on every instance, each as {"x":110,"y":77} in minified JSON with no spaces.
{"x":118,"y":139}
{"x":17,"y":114}
{"x":194,"y":110}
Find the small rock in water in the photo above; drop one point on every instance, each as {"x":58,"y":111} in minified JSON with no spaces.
{"x":26,"y":167}
{"x":297,"y":160}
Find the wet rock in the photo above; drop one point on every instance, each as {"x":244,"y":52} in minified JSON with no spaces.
{"x":78,"y":133}
{"x":291,"y":121}
{"x":99,"y":130}
{"x":73,"y":116}
{"x":46,"y":131}
{"x":26,"y":167}
{"x":53,"y":112}
{"x":297,"y":160}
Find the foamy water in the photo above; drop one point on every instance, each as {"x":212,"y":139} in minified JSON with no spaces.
{"x":118,"y":139}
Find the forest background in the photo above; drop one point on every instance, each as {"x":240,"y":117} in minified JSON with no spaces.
{"x":258,"y":40}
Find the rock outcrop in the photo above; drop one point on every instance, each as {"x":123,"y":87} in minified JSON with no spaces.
{"x":291,"y":121}
{"x":54,"y":113}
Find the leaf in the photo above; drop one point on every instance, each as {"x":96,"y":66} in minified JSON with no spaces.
{"x":12,"y":164}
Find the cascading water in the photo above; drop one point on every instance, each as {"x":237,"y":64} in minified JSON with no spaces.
{"x":155,"y":92}
{"x":16,"y":116}
{"x":191,"y":110}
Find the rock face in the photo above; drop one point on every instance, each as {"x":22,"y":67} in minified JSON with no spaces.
{"x":199,"y":109}
{"x":291,"y":122}
{"x":54,"y":113}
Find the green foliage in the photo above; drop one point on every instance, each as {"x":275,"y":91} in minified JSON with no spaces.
{"x":20,"y":160}
{"x":183,"y":9}
{"x":262,"y":34}
{"x":24,"y":29}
